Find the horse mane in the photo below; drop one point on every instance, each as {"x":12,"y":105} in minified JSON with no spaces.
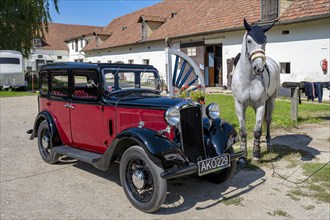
{"x":237,"y":59}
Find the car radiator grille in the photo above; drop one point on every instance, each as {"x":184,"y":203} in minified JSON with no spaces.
{"x":192,"y":133}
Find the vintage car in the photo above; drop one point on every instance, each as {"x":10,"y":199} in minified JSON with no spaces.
{"x":103,"y":113}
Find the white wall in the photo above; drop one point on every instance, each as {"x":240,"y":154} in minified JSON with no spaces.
{"x":73,"y":55}
{"x":154,"y":52}
{"x":50,"y":55}
{"x":305,"y":46}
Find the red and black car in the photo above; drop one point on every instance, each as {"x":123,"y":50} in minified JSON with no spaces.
{"x":103,"y":113}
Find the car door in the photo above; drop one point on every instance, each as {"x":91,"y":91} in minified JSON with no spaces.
{"x":87,"y":127}
{"x":58,"y":104}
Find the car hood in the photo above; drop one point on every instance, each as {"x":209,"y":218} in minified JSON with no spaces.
{"x":148,"y":101}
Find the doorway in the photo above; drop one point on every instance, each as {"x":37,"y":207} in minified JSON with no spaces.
{"x":213,"y":65}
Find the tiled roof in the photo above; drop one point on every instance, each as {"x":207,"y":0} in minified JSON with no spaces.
{"x":58,"y":33}
{"x":306,"y":8}
{"x":151,"y":18}
{"x":197,"y":17}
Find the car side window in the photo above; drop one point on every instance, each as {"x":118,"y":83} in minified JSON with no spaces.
{"x":59,"y":84}
{"x":86,"y":85}
{"x":44,"y":83}
{"x":147,"y":80}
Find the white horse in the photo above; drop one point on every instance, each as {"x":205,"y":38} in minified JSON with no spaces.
{"x":255,"y":83}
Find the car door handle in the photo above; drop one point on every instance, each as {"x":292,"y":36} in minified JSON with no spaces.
{"x":69,"y":106}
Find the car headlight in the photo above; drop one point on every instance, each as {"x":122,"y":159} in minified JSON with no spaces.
{"x":212,"y":111}
{"x":172,"y":116}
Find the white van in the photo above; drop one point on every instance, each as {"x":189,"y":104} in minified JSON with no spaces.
{"x":11,"y":69}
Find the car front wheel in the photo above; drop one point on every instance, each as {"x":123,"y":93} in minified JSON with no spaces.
{"x":141,"y":180}
{"x":45,"y":144}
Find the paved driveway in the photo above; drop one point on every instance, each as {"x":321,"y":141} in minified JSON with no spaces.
{"x":32,"y":189}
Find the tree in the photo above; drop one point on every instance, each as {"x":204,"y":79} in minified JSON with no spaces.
{"x":21,"y":21}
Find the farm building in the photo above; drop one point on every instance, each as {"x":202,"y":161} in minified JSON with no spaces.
{"x":55,"y":48}
{"x":211,"y":32}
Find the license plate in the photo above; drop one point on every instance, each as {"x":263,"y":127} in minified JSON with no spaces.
{"x":213,"y":164}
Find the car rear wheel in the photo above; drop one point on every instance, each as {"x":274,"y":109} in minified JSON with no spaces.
{"x":141,"y":180}
{"x":45,"y":144}
{"x":225,"y":174}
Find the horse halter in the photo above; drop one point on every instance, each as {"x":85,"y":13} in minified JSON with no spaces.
{"x":259,"y":53}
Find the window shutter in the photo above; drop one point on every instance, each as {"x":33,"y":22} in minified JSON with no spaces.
{"x":269,"y":9}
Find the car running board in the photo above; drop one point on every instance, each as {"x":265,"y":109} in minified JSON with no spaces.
{"x":82,"y":155}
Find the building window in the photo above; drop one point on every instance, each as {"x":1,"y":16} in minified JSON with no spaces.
{"x":98,"y":61}
{"x":76,"y":46}
{"x":59,"y":57}
{"x":72,"y":45}
{"x":269,"y":9}
{"x":145,"y":61}
{"x":124,"y":28}
{"x":131,"y":61}
{"x":40,"y":56}
{"x":37,"y":42}
{"x":191,"y":51}
{"x":285,"y":68}
{"x":285,"y":32}
{"x":82,"y":43}
{"x":109,"y":61}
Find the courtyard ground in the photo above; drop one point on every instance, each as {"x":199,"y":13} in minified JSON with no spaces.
{"x":32,"y":189}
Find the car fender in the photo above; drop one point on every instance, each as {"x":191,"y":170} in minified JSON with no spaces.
{"x":219,"y":136}
{"x":161,"y":150}
{"x":45,"y":115}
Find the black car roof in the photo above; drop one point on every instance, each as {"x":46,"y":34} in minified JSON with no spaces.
{"x":77,"y":65}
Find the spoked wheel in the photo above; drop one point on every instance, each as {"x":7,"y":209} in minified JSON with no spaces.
{"x":141,"y":180}
{"x":225,"y":174}
{"x":45,"y":144}
{"x":186,"y":78}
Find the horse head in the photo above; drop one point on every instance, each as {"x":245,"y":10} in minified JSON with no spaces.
{"x":255,"y":42}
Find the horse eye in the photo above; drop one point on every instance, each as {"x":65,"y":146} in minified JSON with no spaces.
{"x":249,"y":41}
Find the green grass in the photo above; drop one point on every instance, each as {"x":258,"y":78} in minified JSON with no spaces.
{"x":15,"y":93}
{"x":280,"y":213}
{"x":321,"y":176}
{"x":317,"y":187}
{"x":233,"y":201}
{"x":310,"y":207}
{"x":307,"y":112}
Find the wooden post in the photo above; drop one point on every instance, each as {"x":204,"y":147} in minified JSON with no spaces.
{"x":294,"y":104}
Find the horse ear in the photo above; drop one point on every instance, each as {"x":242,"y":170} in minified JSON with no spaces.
{"x":268,"y":27}
{"x":247,"y":25}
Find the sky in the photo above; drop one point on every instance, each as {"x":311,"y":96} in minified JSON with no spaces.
{"x":95,"y":12}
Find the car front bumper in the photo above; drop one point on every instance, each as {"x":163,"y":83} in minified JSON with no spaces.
{"x":193,"y":168}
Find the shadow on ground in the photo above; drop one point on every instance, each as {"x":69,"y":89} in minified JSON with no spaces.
{"x":291,"y":144}
{"x":185,"y":192}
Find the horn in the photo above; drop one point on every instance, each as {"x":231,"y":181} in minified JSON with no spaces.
{"x":247,"y":25}
{"x":268,"y":27}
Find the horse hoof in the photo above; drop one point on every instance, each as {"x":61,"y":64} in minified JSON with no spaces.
{"x":255,"y":160}
{"x":268,"y":142}
{"x":242,"y":162}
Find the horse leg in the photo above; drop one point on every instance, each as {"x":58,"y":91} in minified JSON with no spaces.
{"x":269,"y":112}
{"x":240,"y":112}
{"x":260,"y":113}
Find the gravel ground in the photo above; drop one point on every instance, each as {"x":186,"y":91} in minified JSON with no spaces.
{"x":32,"y":189}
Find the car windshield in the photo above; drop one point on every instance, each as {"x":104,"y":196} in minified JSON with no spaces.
{"x":119,"y":79}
